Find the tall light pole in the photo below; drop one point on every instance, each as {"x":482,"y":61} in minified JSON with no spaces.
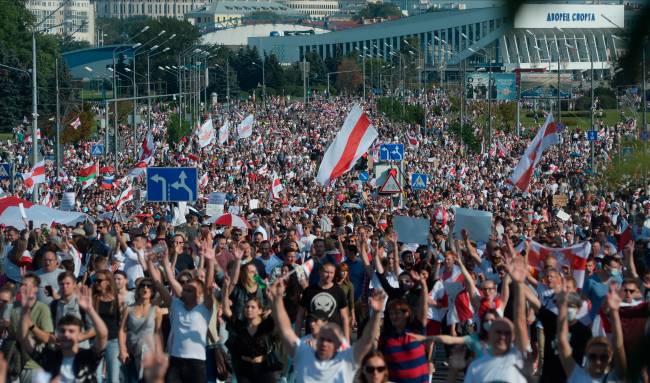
{"x":263,"y":80}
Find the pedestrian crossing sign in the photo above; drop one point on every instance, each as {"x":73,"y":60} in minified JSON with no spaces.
{"x":418,"y":181}
{"x":391,"y":185}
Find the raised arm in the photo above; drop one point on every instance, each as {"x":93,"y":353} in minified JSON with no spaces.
{"x":470,"y":249}
{"x":27,"y":300}
{"x":282,"y":321}
{"x":85,"y":300}
{"x":176,"y":287}
{"x":630,"y":267}
{"x":518,"y":275}
{"x":208,"y":254}
{"x":613,"y":303}
{"x":423,"y":310}
{"x":563,"y":346}
{"x":226,"y":304}
{"x":371,"y":331}
{"x":469,"y":283}
{"x":157,"y":279}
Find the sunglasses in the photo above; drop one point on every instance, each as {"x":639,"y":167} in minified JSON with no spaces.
{"x":598,"y":357}
{"x":147,"y":285}
{"x":373,"y":369}
{"x":183,"y":281}
{"x":630,"y":291}
{"x":100,"y":280}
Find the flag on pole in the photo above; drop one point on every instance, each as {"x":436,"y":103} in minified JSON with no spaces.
{"x":203,"y":182}
{"x":206,"y":133}
{"x":108,"y":182}
{"x":245,"y":128}
{"x":223,"y":132}
{"x":76,"y":123}
{"x":139,"y":169}
{"x":276,"y":188}
{"x":36,"y":175}
{"x":48,"y":199}
{"x":413,"y":142}
{"x":352,"y":141}
{"x":147,"y":148}
{"x":124,"y":197}
{"x":87,"y":175}
{"x":547,"y":136}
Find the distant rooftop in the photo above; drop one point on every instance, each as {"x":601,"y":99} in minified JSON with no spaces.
{"x":239,"y":7}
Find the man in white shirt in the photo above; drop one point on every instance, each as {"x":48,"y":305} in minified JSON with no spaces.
{"x":190,"y":310}
{"x":325,"y":363}
{"x":256,"y":227}
{"x":132,"y":258}
{"x":268,"y":258}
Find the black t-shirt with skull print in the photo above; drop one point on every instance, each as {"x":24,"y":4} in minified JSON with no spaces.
{"x":330,"y":300}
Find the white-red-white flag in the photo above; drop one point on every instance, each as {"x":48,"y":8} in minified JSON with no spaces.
{"x":276,"y":188}
{"x":354,"y":139}
{"x":573,"y":256}
{"x":76,"y":123}
{"x":223,"y":132}
{"x":48,"y":199}
{"x":626,"y":235}
{"x":205,"y":133}
{"x":203,"y":182}
{"x":36,"y":175}
{"x":139,"y":169}
{"x":147,"y":148}
{"x":245,"y":128}
{"x":413,"y":141}
{"x":547,"y":136}
{"x":124,"y":197}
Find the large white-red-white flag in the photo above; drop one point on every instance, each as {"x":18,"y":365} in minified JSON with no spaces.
{"x":547,"y":136}
{"x":573,"y":256}
{"x":223,"y":132}
{"x":245,"y":128}
{"x":76,"y":123}
{"x":354,"y":139}
{"x":36,"y":175}
{"x":147,"y":148}
{"x":124,"y":197}
{"x":205,"y":133}
{"x":276,"y":188}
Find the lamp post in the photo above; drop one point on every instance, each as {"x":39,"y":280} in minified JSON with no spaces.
{"x":263,"y":79}
{"x":149,"y":56}
{"x":106,"y":109}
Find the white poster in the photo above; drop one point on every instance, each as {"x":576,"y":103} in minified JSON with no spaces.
{"x":68,"y":201}
{"x":549,"y":16}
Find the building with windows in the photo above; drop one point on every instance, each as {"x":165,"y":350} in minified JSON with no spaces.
{"x":315,"y":9}
{"x":151,"y":8}
{"x":225,"y":14}
{"x":75,"y":19}
{"x":539,"y":37}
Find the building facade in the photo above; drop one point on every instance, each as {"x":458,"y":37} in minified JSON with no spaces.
{"x":224,"y":14}
{"x":152,"y":8}
{"x":76,"y":18}
{"x":315,"y":9}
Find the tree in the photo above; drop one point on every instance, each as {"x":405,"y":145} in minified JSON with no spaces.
{"x":88,"y":124}
{"x":317,"y":69}
{"x":248,"y":65}
{"x":381,"y":10}
{"x":351,"y":78}
{"x":16,"y":51}
{"x":274,"y":73}
{"x":176,"y":131}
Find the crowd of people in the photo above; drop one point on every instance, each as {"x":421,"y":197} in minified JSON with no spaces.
{"x":320,"y":287}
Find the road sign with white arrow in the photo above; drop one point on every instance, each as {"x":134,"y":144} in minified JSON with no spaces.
{"x":172,"y":184}
{"x":391,"y":152}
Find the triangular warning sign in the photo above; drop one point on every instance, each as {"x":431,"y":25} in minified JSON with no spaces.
{"x":419,"y":182}
{"x":3,"y":172}
{"x":391,"y":185}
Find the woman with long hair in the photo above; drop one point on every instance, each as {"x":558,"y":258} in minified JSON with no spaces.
{"x":374,"y":368}
{"x":251,"y":342}
{"x":107,"y":305}
{"x":247,"y":287}
{"x":139,"y":322}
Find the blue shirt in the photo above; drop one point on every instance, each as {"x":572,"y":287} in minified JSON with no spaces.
{"x":357,"y":276}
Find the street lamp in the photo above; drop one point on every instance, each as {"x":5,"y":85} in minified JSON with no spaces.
{"x":263,"y":78}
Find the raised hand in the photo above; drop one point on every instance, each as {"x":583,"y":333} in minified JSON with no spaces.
{"x":613,"y":300}
{"x":464,"y":234}
{"x":276,"y":290}
{"x":377,"y":300}
{"x":518,"y":270}
{"x":84,"y":298}
{"x":413,"y":337}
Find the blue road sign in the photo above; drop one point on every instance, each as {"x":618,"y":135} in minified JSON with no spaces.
{"x":5,"y":171}
{"x":644,"y":135}
{"x":391,"y":152}
{"x":172,"y":184}
{"x":592,"y":135}
{"x":418,"y":181}
{"x":97,"y":150}
{"x":363,"y":176}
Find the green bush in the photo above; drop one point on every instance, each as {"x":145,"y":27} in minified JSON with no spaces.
{"x":395,"y":111}
{"x":472,"y":142}
{"x":176,"y":131}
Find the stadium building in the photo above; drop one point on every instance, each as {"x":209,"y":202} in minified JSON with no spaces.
{"x":538,"y":36}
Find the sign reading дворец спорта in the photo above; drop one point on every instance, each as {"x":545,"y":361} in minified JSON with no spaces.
{"x":569,"y":16}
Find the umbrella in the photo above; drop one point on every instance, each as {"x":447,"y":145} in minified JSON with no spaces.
{"x":229,"y":220}
{"x":351,"y":206}
{"x":261,"y":211}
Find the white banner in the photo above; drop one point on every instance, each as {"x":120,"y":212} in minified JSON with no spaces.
{"x":549,"y":16}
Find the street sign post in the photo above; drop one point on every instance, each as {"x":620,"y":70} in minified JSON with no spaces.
{"x":392,"y":185}
{"x":363,"y":176}
{"x":391,"y":152}
{"x":418,"y":181}
{"x":6,"y":171}
{"x":172,"y":184}
{"x":97,"y":150}
{"x":592,"y":135}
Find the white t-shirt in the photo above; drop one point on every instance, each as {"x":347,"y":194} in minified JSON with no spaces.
{"x":308,"y":369}
{"x":493,"y":369}
{"x":189,"y":330}
{"x":132,"y":265}
{"x":579,"y":375}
